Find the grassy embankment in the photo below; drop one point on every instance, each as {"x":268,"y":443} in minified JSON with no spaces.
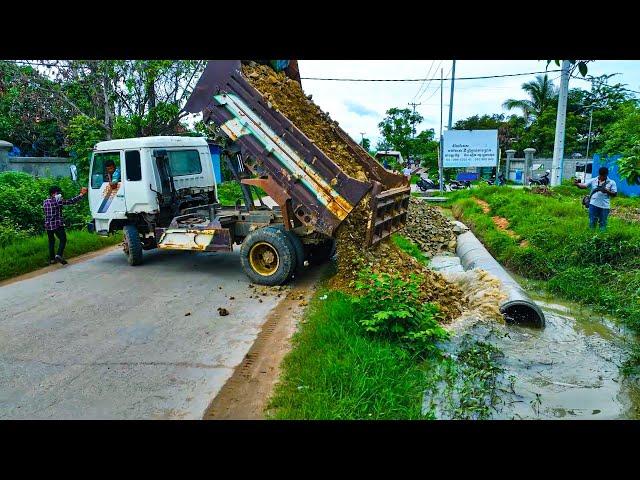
{"x":339,"y":369}
{"x":32,"y":253}
{"x":551,"y":242}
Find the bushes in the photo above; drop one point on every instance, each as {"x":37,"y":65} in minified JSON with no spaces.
{"x":21,"y":197}
{"x":391,"y":307}
{"x":597,"y":268}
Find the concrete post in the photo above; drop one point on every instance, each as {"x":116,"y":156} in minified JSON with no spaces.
{"x":510,"y":155}
{"x":5,"y":148}
{"x":528,"y":160}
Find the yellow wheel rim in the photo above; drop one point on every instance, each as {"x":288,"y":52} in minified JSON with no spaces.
{"x":264,"y":259}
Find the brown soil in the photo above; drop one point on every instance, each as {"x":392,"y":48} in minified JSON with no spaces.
{"x":503,"y":224}
{"x":246,"y":394}
{"x":286,"y":95}
{"x":483,"y":205}
{"x":629,"y":214}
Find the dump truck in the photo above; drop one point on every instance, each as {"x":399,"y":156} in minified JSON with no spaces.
{"x":162,"y":191}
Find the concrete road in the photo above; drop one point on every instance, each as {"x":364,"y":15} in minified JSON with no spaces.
{"x":103,"y":340}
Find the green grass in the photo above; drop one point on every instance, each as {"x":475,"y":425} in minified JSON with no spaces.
{"x":229,"y":192}
{"x":336,"y":371}
{"x":409,"y":247}
{"x":600,"y":269}
{"x":33,"y":253}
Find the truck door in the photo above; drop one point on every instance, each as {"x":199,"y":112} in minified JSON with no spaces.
{"x":107,"y":199}
{"x":138,"y":198}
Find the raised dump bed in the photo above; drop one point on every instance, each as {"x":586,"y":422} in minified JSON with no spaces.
{"x":311,"y":189}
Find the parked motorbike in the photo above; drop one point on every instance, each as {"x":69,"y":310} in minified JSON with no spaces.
{"x":425,"y":184}
{"x":457,"y":185}
{"x":501,"y":180}
{"x":543,"y":180}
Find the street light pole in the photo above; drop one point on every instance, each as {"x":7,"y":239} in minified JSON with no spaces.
{"x":589,"y":135}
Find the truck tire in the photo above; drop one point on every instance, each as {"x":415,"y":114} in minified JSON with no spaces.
{"x":297,"y":245}
{"x":322,"y":252}
{"x":132,"y":245}
{"x":267,"y":256}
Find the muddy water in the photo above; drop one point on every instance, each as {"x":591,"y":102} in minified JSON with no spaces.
{"x":569,"y":370}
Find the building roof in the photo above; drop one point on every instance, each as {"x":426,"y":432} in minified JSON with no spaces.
{"x":151,"y":142}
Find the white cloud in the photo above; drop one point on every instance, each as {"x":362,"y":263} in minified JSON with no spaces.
{"x":345,"y":101}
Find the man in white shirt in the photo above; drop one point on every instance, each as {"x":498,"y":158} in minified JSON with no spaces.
{"x":602,"y":189}
{"x":407,"y":172}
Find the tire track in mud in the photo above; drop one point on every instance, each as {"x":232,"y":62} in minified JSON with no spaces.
{"x":246,"y":394}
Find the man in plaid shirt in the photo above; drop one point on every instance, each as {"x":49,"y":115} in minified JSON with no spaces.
{"x":53,"y":222}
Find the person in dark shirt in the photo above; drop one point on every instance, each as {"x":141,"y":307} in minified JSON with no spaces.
{"x":54,"y":223}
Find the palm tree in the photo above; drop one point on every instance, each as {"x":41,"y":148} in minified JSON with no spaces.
{"x":542,"y":94}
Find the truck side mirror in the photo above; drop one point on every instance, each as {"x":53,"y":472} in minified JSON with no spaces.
{"x":74,"y":172}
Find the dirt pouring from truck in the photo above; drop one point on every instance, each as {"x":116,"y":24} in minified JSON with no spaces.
{"x":287,"y":96}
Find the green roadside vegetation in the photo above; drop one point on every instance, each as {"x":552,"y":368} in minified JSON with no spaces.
{"x":229,"y":192}
{"x":23,"y":242}
{"x":409,"y":247}
{"x":27,"y":255}
{"x":375,"y":354}
{"x":547,"y":239}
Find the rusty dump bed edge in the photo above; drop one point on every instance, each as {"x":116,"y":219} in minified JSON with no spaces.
{"x":318,"y":192}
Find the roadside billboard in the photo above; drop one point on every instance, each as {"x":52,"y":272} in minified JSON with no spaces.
{"x":469,"y":148}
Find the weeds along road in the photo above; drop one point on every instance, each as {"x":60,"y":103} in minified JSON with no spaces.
{"x":100,"y":339}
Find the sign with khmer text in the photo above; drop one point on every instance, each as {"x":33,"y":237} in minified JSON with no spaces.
{"x":470,"y":148}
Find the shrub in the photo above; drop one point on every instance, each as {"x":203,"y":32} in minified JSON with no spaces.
{"x":391,"y":307}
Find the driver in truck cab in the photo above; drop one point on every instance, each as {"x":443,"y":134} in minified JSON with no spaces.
{"x":111,"y":173}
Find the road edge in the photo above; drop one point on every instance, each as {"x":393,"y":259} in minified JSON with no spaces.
{"x":245,"y":395}
{"x":52,"y":268}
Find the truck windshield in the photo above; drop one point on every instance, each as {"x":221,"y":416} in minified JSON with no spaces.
{"x":105,"y":168}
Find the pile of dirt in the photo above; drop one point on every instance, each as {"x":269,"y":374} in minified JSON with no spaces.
{"x":286,"y":95}
{"x":429,"y":229}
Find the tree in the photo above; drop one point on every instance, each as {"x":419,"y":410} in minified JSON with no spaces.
{"x":425,"y":148}
{"x":365,"y":143}
{"x":510,"y":130}
{"x":396,"y":129}
{"x":542,"y":95}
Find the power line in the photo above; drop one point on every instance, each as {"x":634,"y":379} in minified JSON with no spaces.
{"x":421,"y":85}
{"x":423,"y":79}
{"x":429,"y":82}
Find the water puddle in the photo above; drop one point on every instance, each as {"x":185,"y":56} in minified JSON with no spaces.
{"x":569,"y":370}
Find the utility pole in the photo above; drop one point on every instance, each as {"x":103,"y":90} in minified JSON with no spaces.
{"x":440,"y":169}
{"x":413,"y":125}
{"x":453,"y":77}
{"x":561,"y":120}
{"x":589,"y":136}
{"x":362,"y":139}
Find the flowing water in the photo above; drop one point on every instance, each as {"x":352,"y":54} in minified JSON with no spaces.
{"x":568,"y":370}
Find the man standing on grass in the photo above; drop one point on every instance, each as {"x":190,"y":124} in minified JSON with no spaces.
{"x":602,"y":189}
{"x":53,"y":222}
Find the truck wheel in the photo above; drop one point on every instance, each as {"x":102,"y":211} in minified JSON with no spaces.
{"x":267,"y":256}
{"x":132,"y":245}
{"x":298,"y":248}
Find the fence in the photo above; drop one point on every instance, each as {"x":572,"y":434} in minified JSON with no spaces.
{"x":37,"y":166}
{"x":610,"y":163}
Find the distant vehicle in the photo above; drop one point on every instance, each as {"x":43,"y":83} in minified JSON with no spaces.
{"x":543,"y":180}
{"x":389,"y":157}
{"x":584,"y":171}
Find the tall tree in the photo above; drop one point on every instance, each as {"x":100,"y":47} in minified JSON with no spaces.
{"x":397,"y":127}
{"x":542,"y":95}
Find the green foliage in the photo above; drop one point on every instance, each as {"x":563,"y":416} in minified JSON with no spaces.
{"x":22,"y":195}
{"x":409,"y":247}
{"x":32,"y":253}
{"x":464,"y":386}
{"x":336,"y":372}
{"x":624,"y":133}
{"x":11,"y":232}
{"x":391,"y":308}
{"x":542,"y":95}
{"x":397,"y":129}
{"x":83,"y":133}
{"x":597,"y":268}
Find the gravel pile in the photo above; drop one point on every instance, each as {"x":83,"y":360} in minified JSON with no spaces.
{"x":434,"y":233}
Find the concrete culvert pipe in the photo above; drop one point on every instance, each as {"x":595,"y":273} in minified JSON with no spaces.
{"x":518,"y":307}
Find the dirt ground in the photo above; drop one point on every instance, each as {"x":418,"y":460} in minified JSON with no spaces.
{"x":245,"y":395}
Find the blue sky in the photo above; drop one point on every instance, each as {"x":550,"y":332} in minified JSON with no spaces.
{"x":360,"y":106}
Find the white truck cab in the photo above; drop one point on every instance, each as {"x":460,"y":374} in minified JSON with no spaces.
{"x":129,"y":177}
